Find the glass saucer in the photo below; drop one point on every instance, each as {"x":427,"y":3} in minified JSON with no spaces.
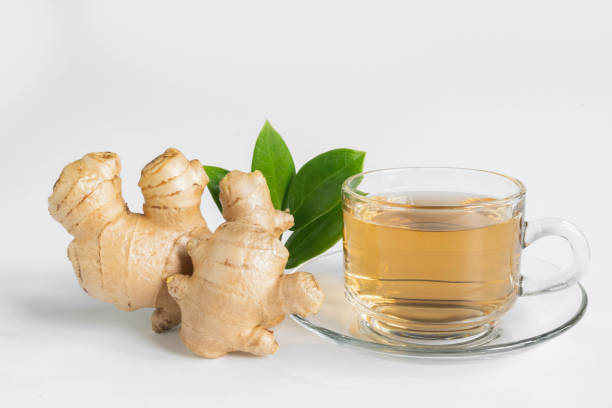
{"x":532,"y":319}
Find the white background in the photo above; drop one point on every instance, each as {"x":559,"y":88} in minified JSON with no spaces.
{"x":522,"y":87}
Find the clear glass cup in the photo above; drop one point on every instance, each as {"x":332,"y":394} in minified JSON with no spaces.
{"x":433,"y":254}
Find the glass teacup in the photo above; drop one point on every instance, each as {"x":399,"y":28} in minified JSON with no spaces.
{"x":433,"y":254}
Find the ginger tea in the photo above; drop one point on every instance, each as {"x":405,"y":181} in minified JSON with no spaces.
{"x":424,"y":264}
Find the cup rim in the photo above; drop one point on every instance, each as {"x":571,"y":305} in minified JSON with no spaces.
{"x":520,"y":193}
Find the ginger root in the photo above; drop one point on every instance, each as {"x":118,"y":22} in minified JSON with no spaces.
{"x":238,"y":288}
{"x":122,"y":257}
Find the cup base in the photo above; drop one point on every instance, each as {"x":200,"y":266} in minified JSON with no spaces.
{"x":384,"y":333}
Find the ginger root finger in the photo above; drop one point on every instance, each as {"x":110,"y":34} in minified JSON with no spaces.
{"x":122,"y":257}
{"x":238,"y":287}
{"x":300,"y":294}
{"x":245,"y":197}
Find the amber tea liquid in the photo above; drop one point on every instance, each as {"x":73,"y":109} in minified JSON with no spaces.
{"x":424,"y":269}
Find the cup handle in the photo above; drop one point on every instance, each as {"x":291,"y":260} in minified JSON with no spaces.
{"x":534,"y":230}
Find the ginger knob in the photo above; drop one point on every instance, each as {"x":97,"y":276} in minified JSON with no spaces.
{"x":238,"y":289}
{"x":123,"y":257}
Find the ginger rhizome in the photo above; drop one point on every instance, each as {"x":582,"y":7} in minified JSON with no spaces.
{"x":122,"y":257}
{"x":238,"y":289}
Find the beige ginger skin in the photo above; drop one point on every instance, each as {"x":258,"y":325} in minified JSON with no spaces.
{"x":122,"y":257}
{"x":238,"y":289}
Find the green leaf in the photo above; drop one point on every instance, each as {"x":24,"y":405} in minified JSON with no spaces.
{"x":315,"y":238}
{"x":315,"y":189}
{"x":272,"y":157}
{"x":215,"y":174}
